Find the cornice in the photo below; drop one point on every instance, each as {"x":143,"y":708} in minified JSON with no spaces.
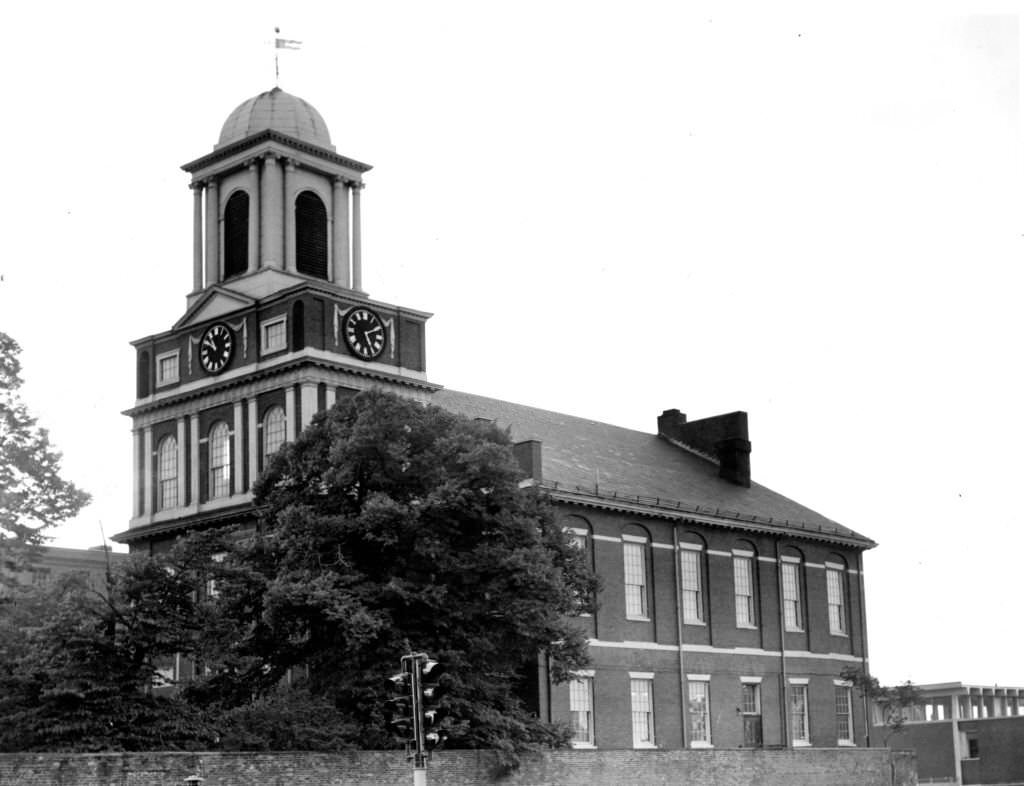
{"x":269,"y":135}
{"x":243,"y":512}
{"x":673,"y":510}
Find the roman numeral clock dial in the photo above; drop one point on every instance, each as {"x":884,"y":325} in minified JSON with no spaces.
{"x":215,"y":348}
{"x":364,"y":333}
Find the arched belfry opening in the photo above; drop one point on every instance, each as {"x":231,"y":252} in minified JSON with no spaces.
{"x":310,"y":235}
{"x":236,"y":234}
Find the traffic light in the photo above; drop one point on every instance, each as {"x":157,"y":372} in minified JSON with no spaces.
{"x":400,"y":707}
{"x":431,"y":691}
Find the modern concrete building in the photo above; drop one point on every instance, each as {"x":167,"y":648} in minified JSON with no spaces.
{"x":728,"y":611}
{"x":963,"y":734}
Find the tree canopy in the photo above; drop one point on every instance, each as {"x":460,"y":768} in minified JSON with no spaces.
{"x":388,"y":526}
{"x":33,"y":496}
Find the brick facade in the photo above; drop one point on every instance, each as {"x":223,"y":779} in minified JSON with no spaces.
{"x":463,"y":768}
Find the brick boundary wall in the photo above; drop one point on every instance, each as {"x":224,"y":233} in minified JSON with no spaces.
{"x":816,"y":767}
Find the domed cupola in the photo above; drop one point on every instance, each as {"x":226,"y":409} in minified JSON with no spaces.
{"x":276,"y":110}
{"x":274,"y":203}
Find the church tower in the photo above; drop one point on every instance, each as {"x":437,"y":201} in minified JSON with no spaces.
{"x":277,"y":325}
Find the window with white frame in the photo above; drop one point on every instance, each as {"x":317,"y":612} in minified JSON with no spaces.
{"x":274,"y":335}
{"x":836,"y":587}
{"x":581,"y":710}
{"x":219,"y":451}
{"x":274,"y":431}
{"x":167,"y":368}
{"x":699,"y":690}
{"x":641,"y":696}
{"x":743,"y":582}
{"x":844,"y":713}
{"x":167,"y":473}
{"x":791,"y":605}
{"x":635,"y":578}
{"x":798,"y":713}
{"x":690,"y":584}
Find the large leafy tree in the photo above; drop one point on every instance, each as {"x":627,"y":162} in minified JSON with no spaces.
{"x":391,"y":526}
{"x":33,"y":496}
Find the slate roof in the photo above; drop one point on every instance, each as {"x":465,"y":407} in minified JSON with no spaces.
{"x":633,"y":469}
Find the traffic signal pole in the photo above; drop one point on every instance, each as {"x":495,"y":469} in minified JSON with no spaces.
{"x":413,"y":664}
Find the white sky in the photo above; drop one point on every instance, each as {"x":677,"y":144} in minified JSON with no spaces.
{"x":809,"y":212}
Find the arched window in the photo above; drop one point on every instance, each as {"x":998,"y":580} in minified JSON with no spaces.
{"x":142,"y":379}
{"x":635,"y":544}
{"x":792,"y":588}
{"x":692,"y":550}
{"x":220,"y":460}
{"x":835,"y":585}
{"x":236,"y":234}
{"x":273,"y":432}
{"x":310,"y":235}
{"x":167,"y":473}
{"x":744,"y":575}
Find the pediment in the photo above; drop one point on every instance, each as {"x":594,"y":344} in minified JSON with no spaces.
{"x":215,"y":302}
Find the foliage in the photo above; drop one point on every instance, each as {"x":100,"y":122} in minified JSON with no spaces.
{"x":893,"y":701}
{"x":33,"y":496}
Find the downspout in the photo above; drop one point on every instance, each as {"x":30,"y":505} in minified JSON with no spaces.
{"x":784,"y":693}
{"x":864,"y":646}
{"x":679,"y":634}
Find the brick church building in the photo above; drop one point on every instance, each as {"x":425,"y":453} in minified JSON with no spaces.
{"x":728,"y":611}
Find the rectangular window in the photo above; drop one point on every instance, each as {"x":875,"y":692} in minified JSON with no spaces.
{"x":743,"y":579}
{"x":834,"y":578}
{"x":581,"y":711}
{"x":791,"y":596}
{"x":640,"y":693}
{"x":798,"y":714}
{"x":700,"y":716}
{"x":167,"y":368}
{"x":273,"y":335}
{"x":750,"y":709}
{"x":844,"y":715}
{"x":693,"y":601}
{"x":635,"y":579}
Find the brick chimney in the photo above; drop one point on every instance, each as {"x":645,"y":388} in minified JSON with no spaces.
{"x":723,"y":437}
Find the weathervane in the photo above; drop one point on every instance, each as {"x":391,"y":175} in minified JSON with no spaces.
{"x":281,"y":43}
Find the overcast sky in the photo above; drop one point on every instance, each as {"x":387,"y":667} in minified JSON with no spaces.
{"x":810,"y":212}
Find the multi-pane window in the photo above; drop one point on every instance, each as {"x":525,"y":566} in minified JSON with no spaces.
{"x":167,"y":368}
{"x":690,"y":580}
{"x":274,"y":335}
{"x":642,"y":703}
{"x":750,"y":710}
{"x":798,"y":714}
{"x":700,"y":716}
{"x":635,"y":568}
{"x":167,"y":473}
{"x":844,"y":714}
{"x":220,"y":460}
{"x":581,"y":710}
{"x":835,"y":583}
{"x":792,"y":611}
{"x":273,"y":432}
{"x":743,"y":580}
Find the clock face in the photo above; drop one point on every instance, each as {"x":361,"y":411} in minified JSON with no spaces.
{"x":364,"y":333}
{"x":215,"y":348}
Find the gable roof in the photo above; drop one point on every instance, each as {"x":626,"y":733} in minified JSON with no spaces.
{"x":586,"y":458}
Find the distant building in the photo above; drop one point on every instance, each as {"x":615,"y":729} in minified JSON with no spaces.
{"x":728,"y":611}
{"x":963,"y":734}
{"x":54,"y":562}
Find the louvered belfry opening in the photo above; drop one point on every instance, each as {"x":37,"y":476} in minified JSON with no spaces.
{"x":236,"y":234}
{"x":311,"y":235}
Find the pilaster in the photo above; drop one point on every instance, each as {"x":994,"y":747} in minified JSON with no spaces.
{"x":289,"y":214}
{"x":236,"y":452}
{"x":212,"y":233}
{"x":357,"y":238}
{"x":197,"y":235}
{"x":340,"y":259}
{"x":271,"y":199}
{"x":147,"y":471}
{"x":253,"y":262}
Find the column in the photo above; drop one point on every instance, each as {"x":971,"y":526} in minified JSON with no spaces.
{"x":308,"y":392}
{"x":254,"y":444}
{"x":271,"y":230}
{"x":197,"y":235}
{"x":289,"y":413}
{"x":341,"y":253}
{"x":289,"y":214}
{"x":236,"y":454}
{"x":193,"y":460}
{"x":357,"y":239}
{"x":137,"y":481}
{"x":181,"y":461}
{"x":254,"y":215}
{"x":212,"y":233}
{"x":147,"y":471}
